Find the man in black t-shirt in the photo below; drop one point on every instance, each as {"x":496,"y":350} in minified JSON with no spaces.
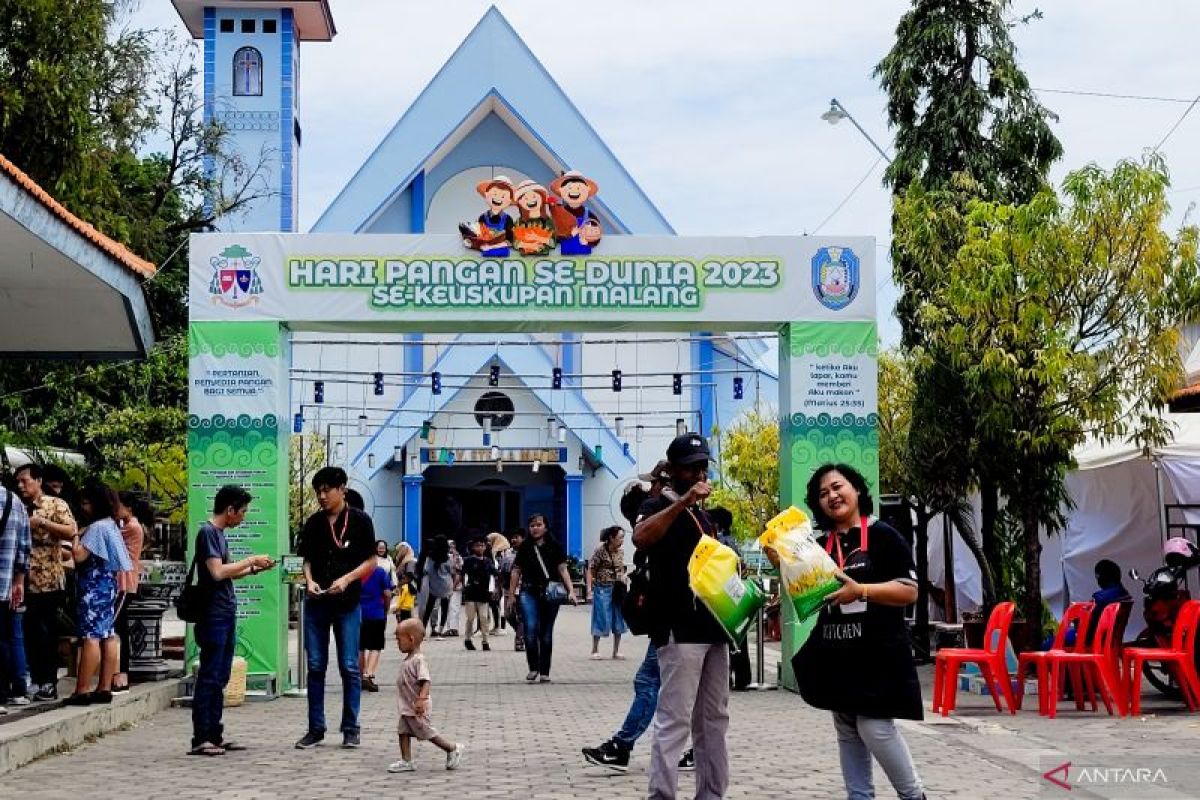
{"x":338,"y":548}
{"x":693,"y":651}
{"x":215,"y":631}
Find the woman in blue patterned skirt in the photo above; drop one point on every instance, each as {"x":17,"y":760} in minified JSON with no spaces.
{"x":100,"y":555}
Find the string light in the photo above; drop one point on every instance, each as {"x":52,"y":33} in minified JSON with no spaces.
{"x":318,"y":391}
{"x":556,"y":378}
{"x":370,"y":460}
{"x":738,"y":389}
{"x":494,"y":375}
{"x":680,"y":426}
{"x":435,"y":382}
{"x":378,"y":378}
{"x":562,"y":433}
{"x":619,"y":425}
{"x":298,"y":423}
{"x":640,"y":432}
{"x":677,"y":383}
{"x":616,"y":380}
{"x":362,"y":424}
{"x":550,"y":426}
{"x":398,"y":454}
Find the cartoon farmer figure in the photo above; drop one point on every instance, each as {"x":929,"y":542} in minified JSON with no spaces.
{"x":492,"y":233}
{"x":533,"y":233}
{"x":577,"y":228}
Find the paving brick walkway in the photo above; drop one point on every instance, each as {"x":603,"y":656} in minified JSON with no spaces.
{"x":524,"y":743}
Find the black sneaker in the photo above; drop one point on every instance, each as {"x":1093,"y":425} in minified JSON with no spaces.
{"x":467,"y":643}
{"x":608,"y":755}
{"x":351,"y":740}
{"x":47,"y":691}
{"x":310,"y":740}
{"x":688,"y":762}
{"x":486,"y":647}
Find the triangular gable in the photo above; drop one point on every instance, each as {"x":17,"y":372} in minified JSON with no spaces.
{"x":491,"y":65}
{"x":466,"y":357}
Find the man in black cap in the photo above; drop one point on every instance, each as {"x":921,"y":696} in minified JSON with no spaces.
{"x":693,"y":651}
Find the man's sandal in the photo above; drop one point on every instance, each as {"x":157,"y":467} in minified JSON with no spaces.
{"x":207,"y":749}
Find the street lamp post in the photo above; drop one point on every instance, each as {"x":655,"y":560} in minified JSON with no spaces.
{"x":837,"y":112}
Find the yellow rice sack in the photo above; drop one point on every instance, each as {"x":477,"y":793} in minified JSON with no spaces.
{"x":805,"y":569}
{"x":715,"y":578}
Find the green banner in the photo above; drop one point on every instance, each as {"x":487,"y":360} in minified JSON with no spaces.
{"x":829,"y":409}
{"x":237,"y":375}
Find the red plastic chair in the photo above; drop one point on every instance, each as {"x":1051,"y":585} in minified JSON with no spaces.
{"x":1077,"y":616}
{"x":1101,"y":663}
{"x":1180,"y":659}
{"x":990,"y":660}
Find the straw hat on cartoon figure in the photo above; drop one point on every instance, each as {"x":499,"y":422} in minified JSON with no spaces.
{"x":492,"y":232}
{"x":533,"y":233}
{"x":578,"y":229}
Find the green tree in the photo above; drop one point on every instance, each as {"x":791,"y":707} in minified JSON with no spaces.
{"x":748,"y":483}
{"x":306,"y":452}
{"x":965,"y":117}
{"x":1062,"y":316}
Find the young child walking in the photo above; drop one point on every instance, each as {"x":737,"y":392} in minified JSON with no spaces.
{"x":414,"y":686}
{"x":479,"y":571}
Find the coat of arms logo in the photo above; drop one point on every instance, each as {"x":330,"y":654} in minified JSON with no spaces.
{"x":835,"y":277}
{"x":235,"y":282}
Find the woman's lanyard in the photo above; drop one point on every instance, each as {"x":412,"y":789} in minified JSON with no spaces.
{"x":339,"y":539}
{"x":836,"y":541}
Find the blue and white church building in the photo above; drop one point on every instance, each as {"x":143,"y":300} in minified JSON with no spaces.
{"x":499,"y":438}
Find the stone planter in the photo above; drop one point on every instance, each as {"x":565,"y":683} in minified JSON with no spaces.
{"x":161,"y":583}
{"x":145,"y":613}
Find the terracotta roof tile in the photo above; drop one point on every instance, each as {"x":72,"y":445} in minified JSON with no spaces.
{"x":113,"y":249}
{"x":1187,"y":391}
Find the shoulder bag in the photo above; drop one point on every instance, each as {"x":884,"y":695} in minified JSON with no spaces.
{"x":191,"y":601}
{"x":555,"y":594}
{"x":619,"y":588}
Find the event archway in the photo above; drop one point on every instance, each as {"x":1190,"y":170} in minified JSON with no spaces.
{"x":247,"y":291}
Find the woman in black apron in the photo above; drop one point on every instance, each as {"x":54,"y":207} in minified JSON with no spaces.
{"x":858,"y":661}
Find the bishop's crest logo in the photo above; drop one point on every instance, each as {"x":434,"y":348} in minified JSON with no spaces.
{"x":835,"y":277}
{"x":235,"y":282}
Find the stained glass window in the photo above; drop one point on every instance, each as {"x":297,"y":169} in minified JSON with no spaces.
{"x":247,"y":72}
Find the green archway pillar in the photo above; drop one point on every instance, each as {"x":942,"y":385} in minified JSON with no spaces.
{"x":238,"y":434}
{"x":828,"y":403}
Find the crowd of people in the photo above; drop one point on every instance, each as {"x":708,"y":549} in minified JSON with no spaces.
{"x":66,"y":555}
{"x":60,"y":549}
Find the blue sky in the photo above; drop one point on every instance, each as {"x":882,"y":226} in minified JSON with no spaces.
{"x":714,"y":107}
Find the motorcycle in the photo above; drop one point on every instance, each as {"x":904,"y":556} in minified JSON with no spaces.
{"x":1163,"y":595}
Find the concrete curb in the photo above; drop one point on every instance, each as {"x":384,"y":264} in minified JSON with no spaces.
{"x":26,"y":740}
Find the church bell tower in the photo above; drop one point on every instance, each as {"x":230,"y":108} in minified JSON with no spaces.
{"x":251,"y":88}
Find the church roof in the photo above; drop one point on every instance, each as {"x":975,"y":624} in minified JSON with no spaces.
{"x":491,"y":71}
